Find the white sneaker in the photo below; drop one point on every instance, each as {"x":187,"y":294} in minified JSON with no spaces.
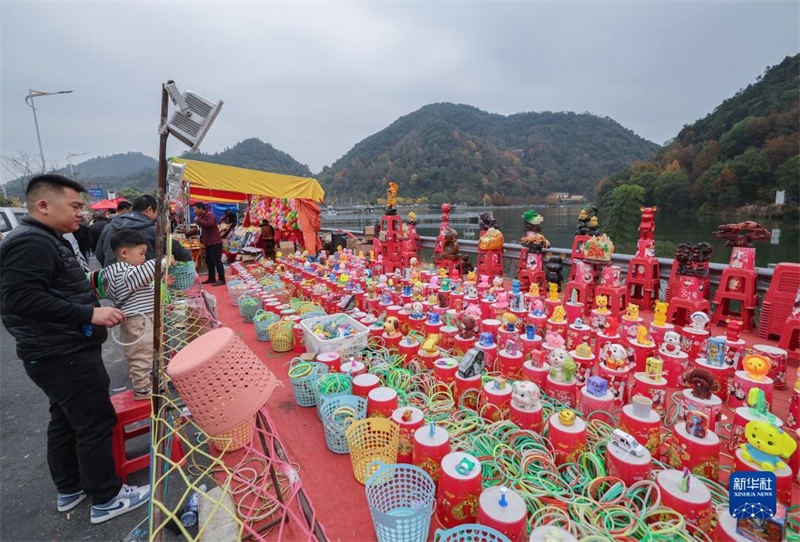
{"x":129,"y":498}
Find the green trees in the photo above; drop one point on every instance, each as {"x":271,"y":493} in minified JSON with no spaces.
{"x":671,"y":190}
{"x":621,"y":213}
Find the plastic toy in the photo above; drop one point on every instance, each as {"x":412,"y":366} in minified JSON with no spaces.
{"x":596,"y":386}
{"x":626,"y":442}
{"x":660,"y":313}
{"x":416,"y":310}
{"x":617,"y":357}
{"x":525,"y":395}
{"x":391,"y":326}
{"x":391,"y":199}
{"x":734,"y":330}
{"x":538,"y":308}
{"x":486,"y":340}
{"x":699,"y":321}
{"x":702,"y":383}
{"x":757,"y":366}
{"x":566,"y":417}
{"x":471,"y":364}
{"x":553,"y":268}
{"x":716,"y":351}
{"x":671,"y":343}
{"x":509,"y":321}
{"x":654,"y":368}
{"x":696,"y":423}
{"x":562,"y":366}
{"x":766,"y":445}
{"x":473,"y":310}
{"x":530,"y":332}
{"x":534,"y":289}
{"x":466,"y":329}
{"x":583,"y":351}
{"x":430,"y":343}
{"x":642,"y":337}
{"x":433,"y":318}
{"x":559,"y":315}
{"x":601,"y":303}
{"x":631,"y":312}
{"x":552,"y":291}
{"x":554,"y":339}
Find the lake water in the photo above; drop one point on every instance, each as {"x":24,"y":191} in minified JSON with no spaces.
{"x":560,"y":223}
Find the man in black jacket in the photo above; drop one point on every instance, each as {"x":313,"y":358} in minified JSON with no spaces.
{"x":50,"y":308}
{"x":142,"y":219}
{"x":96,"y":228}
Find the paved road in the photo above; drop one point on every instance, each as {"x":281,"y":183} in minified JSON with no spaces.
{"x":27,"y":494}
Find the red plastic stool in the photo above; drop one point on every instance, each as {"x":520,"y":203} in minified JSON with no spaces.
{"x":527,"y":277}
{"x":790,"y":336}
{"x":616,"y":298}
{"x":447,"y":264}
{"x":585,"y":293}
{"x":577,"y":253}
{"x":129,"y":412}
{"x":643,"y":282}
{"x":490,"y":263}
{"x":724,"y":312}
{"x":681,"y":310}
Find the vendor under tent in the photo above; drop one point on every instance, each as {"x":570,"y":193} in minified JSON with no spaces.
{"x":299,"y":197}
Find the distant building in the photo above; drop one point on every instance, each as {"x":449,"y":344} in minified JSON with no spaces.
{"x":561,"y":195}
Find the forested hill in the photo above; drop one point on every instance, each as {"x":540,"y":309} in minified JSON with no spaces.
{"x":255,"y":154}
{"x":739,"y":154}
{"x":460,"y":153}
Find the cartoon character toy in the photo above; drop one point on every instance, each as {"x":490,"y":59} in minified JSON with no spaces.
{"x":391,"y":326}
{"x":562,"y":366}
{"x":696,"y":423}
{"x":671,"y":344}
{"x":702,"y":383}
{"x":617,"y":357}
{"x":766,"y":445}
{"x":538,"y":308}
{"x":632,"y":312}
{"x":611,"y":326}
{"x":554,"y":339}
{"x":416,"y":310}
{"x":596,"y":386}
{"x":757,"y":366}
{"x":466,"y":329}
{"x":660,"y":313}
{"x":601,"y":302}
{"x":642,"y":337}
{"x":525,"y":396}
{"x":534,"y":289}
{"x":699,"y":321}
{"x":559,"y":315}
{"x":552,"y":292}
{"x":509,"y":321}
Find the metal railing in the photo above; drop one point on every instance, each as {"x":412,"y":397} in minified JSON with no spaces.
{"x":512,"y":252}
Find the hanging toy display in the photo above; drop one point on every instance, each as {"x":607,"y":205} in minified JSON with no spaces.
{"x":280,"y":213}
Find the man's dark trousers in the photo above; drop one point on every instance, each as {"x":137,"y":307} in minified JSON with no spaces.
{"x":214,"y":263}
{"x":82,"y":419}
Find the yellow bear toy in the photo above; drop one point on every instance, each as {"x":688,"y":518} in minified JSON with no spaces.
{"x":632,"y":312}
{"x":642,"y":337}
{"x":601,"y":304}
{"x":660,"y":314}
{"x":553,"y":290}
{"x":766,"y":444}
{"x":534,"y":290}
{"x":559,"y":315}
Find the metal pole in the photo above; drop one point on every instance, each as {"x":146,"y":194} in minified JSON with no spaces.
{"x":71,"y":173}
{"x":159,"y":492}
{"x":36,"y":122}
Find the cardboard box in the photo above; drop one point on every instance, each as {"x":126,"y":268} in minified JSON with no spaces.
{"x":772,"y":529}
{"x":369,"y":233}
{"x":354,"y":245}
{"x":286,"y":247}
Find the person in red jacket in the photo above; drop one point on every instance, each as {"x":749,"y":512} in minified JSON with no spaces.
{"x":210,"y":237}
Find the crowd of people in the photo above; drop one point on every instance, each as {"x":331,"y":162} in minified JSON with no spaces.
{"x":49,"y":300}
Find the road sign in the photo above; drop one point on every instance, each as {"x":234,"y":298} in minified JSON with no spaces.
{"x":95,"y":192}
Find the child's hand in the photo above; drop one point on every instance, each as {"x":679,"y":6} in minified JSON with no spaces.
{"x":170,"y":280}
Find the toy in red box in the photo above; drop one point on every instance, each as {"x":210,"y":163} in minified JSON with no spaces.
{"x":612,"y":276}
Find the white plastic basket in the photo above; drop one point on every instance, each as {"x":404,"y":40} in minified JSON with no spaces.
{"x":343,"y":345}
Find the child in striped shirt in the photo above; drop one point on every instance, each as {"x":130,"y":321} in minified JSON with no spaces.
{"x":129,"y":285}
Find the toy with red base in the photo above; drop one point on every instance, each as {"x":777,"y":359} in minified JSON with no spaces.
{"x":640,"y":421}
{"x":699,"y":454}
{"x":783,"y":474}
{"x":584,"y":358}
{"x":567,"y":433}
{"x":603,"y":341}
{"x":560,"y":383}
{"x":408,"y":347}
{"x":409,"y":419}
{"x":496,"y":397}
{"x":595,"y":396}
{"x":642,"y":348}
{"x":578,"y":333}
{"x":723,"y":377}
{"x":503,"y":510}
{"x":741,"y":417}
{"x":743,"y":382}
{"x":447,"y":337}
{"x":686,"y":494}
{"x":627,"y":459}
{"x":510,"y":360}
{"x":530,"y":341}
{"x":777,"y":357}
{"x":459,"y":489}
{"x":445,"y":369}
{"x":431,"y":444}
{"x":536,"y":373}
{"x":525,"y":409}
{"x":652,"y":384}
{"x":464,"y":385}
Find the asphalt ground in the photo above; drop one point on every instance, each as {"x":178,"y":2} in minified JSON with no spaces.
{"x":27,"y":494}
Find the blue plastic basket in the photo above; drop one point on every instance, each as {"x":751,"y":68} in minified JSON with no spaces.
{"x":470,"y":532}
{"x":248,"y":307}
{"x":337,"y":415}
{"x":183,"y":273}
{"x":400,"y":499}
{"x":320,"y":397}
{"x":303,"y":386}
{"x":262,"y":320}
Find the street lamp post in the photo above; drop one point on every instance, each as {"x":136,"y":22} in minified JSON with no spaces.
{"x":70,"y":156}
{"x":35,"y":94}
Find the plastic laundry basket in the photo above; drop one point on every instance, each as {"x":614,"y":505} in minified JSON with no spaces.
{"x":331,"y":385}
{"x":470,"y":532}
{"x":183,"y":272}
{"x":400,"y":499}
{"x":262,"y":320}
{"x":337,"y":415}
{"x":371,"y":440}
{"x":303,"y":375}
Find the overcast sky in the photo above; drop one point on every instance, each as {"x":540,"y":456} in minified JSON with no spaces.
{"x":314,"y":79}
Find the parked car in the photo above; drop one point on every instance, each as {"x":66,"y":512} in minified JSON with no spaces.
{"x":10,"y":217}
